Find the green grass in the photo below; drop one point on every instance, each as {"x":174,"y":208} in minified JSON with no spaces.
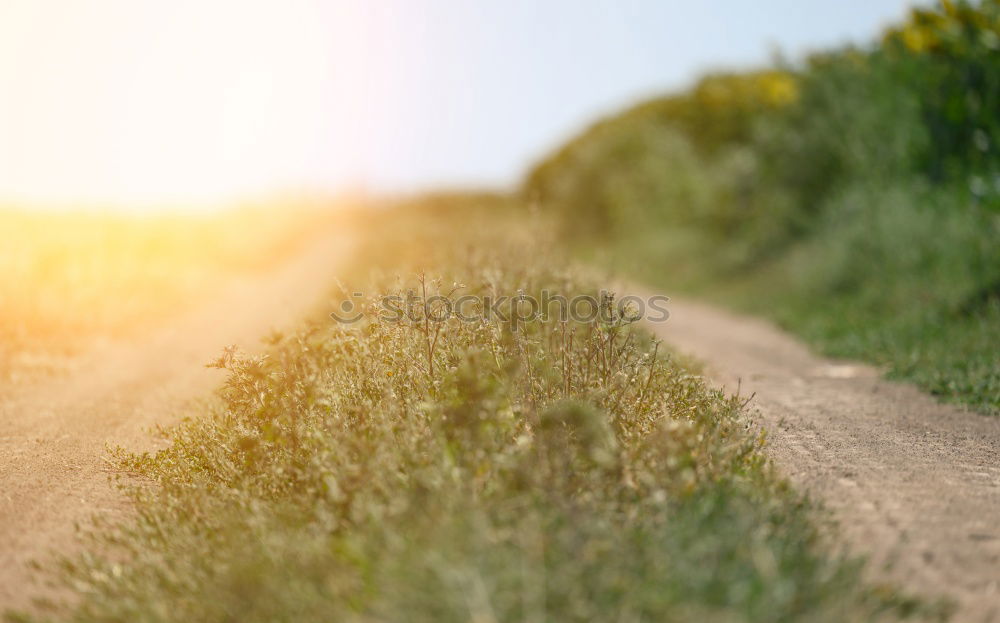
{"x":458,"y":471}
{"x":954,"y":359}
{"x":903,"y":282}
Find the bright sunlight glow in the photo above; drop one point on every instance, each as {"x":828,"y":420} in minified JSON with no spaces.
{"x":174,"y":101}
{"x":138,"y":103}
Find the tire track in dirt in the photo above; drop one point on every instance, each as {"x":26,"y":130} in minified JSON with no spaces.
{"x":913,"y":484}
{"x":54,"y":432}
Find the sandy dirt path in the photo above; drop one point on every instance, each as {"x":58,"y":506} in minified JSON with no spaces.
{"x":914,"y":485}
{"x":53,"y":433}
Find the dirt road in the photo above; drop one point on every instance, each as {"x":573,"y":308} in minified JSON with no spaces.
{"x":914,"y":484}
{"x":53,"y":433}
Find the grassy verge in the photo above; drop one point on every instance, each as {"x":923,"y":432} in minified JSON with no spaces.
{"x":899,"y":277}
{"x":922,"y":303}
{"x":450,"y":470}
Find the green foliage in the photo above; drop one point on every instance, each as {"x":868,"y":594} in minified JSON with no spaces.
{"x":870,"y":186}
{"x":556,"y":471}
{"x":931,"y":317}
{"x":954,"y":55}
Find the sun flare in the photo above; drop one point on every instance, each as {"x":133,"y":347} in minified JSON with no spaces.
{"x":165,"y":103}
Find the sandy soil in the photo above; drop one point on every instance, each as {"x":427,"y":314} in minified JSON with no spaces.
{"x":914,"y":485}
{"x":53,"y":433}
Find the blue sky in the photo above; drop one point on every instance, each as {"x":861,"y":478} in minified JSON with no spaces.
{"x":136,"y":104}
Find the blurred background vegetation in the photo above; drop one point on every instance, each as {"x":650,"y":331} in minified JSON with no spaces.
{"x":854,"y":197}
{"x":70,"y":278}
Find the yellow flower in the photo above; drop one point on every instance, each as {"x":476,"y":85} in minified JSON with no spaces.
{"x":780,"y":89}
{"x":915,"y":38}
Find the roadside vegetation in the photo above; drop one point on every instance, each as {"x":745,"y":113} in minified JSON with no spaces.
{"x":439,"y":469}
{"x":72,"y":277}
{"x":854,"y":197}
